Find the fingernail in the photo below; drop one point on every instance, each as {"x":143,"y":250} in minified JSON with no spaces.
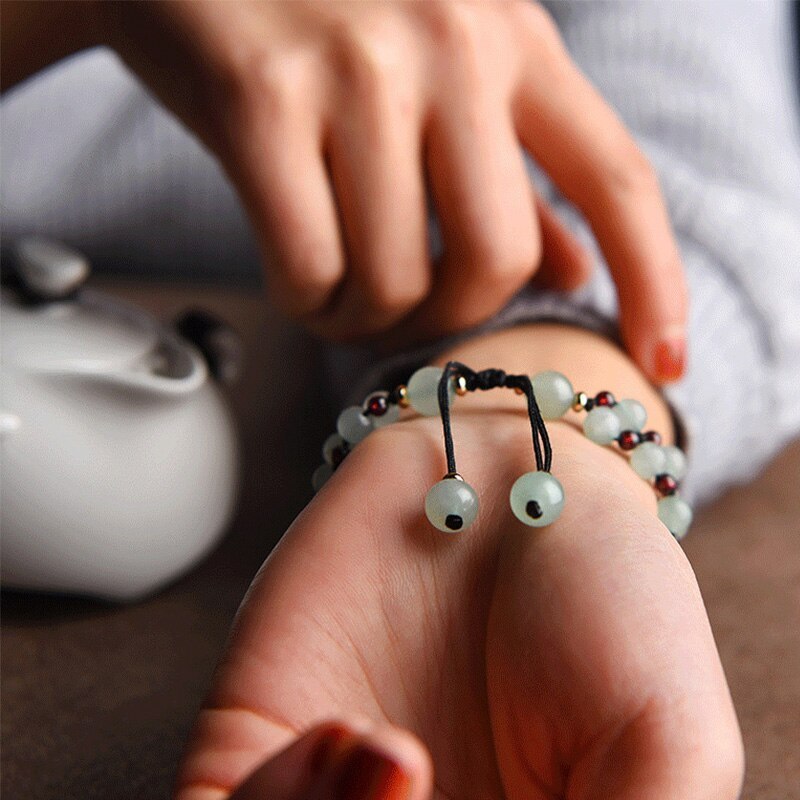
{"x":670,"y":358}
{"x":367,"y":774}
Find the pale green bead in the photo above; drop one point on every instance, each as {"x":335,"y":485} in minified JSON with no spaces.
{"x":392,"y":415}
{"x":676,"y":514}
{"x":352,"y":425}
{"x":554,"y":393}
{"x":320,"y":476}
{"x":601,"y":425}
{"x":648,"y":460}
{"x":537,"y":499}
{"x":632,"y":415}
{"x":331,"y":443}
{"x":451,"y":505}
{"x":423,"y":390}
{"x":675,"y":462}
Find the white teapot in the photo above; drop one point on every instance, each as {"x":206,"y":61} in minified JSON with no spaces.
{"x":118,"y":455}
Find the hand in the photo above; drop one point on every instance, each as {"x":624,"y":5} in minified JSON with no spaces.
{"x":333,"y":119}
{"x":573,"y":661}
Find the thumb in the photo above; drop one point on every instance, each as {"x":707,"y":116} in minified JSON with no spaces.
{"x":334,"y":762}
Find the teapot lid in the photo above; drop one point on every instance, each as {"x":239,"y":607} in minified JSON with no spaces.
{"x":89,"y":331}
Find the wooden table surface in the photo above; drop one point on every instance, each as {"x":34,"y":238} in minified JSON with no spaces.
{"x":97,"y":699}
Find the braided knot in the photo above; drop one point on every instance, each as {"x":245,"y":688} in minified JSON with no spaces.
{"x":486,"y":379}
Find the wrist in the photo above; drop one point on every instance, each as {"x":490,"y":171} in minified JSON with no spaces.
{"x":485,"y":427}
{"x":590,"y":361}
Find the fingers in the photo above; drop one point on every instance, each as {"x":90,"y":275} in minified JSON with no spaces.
{"x":374,"y":154}
{"x":566,"y":265}
{"x":333,"y":761}
{"x":597,"y":165}
{"x":279,"y":169}
{"x":486,"y":211}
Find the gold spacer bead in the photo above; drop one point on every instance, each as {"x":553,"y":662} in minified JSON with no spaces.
{"x":580,"y":401}
{"x":461,"y":385}
{"x":402,"y":393}
{"x":518,"y":390}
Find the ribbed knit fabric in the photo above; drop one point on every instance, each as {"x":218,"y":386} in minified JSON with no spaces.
{"x":708,"y":89}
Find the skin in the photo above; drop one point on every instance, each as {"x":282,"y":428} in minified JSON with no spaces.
{"x":572,"y":662}
{"x":334,"y":120}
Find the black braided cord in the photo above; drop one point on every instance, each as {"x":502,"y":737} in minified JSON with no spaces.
{"x":484,"y":381}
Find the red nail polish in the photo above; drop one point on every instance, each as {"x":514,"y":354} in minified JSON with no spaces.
{"x":367,"y":774}
{"x":330,"y":748}
{"x":670,"y":359}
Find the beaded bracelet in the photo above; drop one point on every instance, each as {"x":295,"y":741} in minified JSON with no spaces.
{"x":536,"y":498}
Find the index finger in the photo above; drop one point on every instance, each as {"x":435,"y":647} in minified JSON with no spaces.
{"x":591,"y":157}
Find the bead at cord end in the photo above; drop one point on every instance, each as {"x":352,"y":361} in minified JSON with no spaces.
{"x":451,"y":505}
{"x":537,"y":499}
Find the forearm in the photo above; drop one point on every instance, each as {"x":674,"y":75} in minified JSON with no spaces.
{"x":36,"y":34}
{"x":591,"y":362}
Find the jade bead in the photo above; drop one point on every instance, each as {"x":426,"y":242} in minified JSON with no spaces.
{"x":601,"y":425}
{"x":451,"y":505}
{"x":333,"y":442}
{"x":676,"y":514}
{"x":675,"y":462}
{"x":320,"y":476}
{"x":648,"y":460}
{"x":554,"y":393}
{"x":423,"y":390}
{"x":537,"y":499}
{"x":632,"y":415}
{"x":352,"y":425}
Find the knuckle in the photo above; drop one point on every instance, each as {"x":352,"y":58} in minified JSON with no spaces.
{"x":395,"y":292}
{"x":504,"y":258}
{"x":266,"y":80}
{"x":538,"y":22}
{"x":369,"y":61}
{"x":453,"y":27}
{"x":308,"y":275}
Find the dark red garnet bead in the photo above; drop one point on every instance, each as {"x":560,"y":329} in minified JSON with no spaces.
{"x":652,"y":436}
{"x":666,"y":484}
{"x":629,"y":439}
{"x":377,"y":405}
{"x":604,"y":399}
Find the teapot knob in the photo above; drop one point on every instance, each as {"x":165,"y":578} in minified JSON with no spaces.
{"x":49,"y":270}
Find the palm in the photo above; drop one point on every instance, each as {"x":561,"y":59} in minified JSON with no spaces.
{"x":532,"y":664}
